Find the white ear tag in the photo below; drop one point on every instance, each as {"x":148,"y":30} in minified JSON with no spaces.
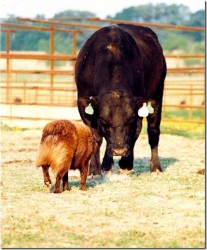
{"x":143,"y":111}
{"x":89,"y":109}
{"x":150,"y":108}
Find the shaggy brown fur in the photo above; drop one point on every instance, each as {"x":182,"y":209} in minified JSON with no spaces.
{"x":65,"y":145}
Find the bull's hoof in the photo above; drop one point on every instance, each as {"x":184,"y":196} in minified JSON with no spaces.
{"x":157,"y":173}
{"x":107,"y":172}
{"x":125,"y":171}
{"x":155,"y":166}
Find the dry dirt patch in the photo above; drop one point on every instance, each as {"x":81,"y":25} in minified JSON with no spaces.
{"x":124,"y":211}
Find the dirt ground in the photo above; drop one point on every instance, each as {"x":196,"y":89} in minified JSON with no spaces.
{"x":137,"y":210}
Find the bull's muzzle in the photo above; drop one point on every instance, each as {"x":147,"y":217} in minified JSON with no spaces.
{"x":119,"y":151}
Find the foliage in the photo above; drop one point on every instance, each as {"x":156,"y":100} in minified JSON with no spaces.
{"x":72,"y":13}
{"x":159,"y":13}
{"x":198,"y":19}
{"x":169,"y":14}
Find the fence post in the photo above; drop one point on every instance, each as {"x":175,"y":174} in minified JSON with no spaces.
{"x":52,"y":50}
{"x":74,"y":51}
{"x":191,"y":101}
{"x":8,"y":76}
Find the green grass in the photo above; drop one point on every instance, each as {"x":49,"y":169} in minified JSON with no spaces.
{"x":189,"y":130}
{"x":5,"y":127}
{"x":196,"y":114}
{"x":186,"y":129}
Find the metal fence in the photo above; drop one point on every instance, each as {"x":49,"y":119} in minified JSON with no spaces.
{"x":50,"y":85}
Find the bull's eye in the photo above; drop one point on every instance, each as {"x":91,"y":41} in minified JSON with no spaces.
{"x":106,"y":128}
{"x":104,"y":123}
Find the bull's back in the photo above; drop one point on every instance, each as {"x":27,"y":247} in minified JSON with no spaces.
{"x":148,"y":63}
{"x":152,"y":58}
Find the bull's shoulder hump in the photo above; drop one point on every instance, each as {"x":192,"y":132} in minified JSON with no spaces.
{"x":137,"y":29}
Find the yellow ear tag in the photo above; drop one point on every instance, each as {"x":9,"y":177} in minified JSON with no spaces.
{"x":89,"y":109}
{"x":143,"y":111}
{"x":150,"y":108}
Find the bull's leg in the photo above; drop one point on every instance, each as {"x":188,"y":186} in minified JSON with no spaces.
{"x":95,"y":165}
{"x":126,"y":162}
{"x":46,"y":175}
{"x":107,"y":162}
{"x":153,"y":130}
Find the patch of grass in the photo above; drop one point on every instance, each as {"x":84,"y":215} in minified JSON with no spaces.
{"x":5,"y":127}
{"x":186,"y":129}
{"x":190,"y":130}
{"x":197,"y":114}
{"x":35,"y":233}
{"x":131,"y":238}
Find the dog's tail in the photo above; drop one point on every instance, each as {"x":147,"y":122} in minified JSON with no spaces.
{"x":45,"y":151}
{"x":54,"y":153}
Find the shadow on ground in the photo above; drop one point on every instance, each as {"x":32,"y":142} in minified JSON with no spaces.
{"x":141,"y":166}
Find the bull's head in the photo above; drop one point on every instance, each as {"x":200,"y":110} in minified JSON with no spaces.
{"x":115,"y":116}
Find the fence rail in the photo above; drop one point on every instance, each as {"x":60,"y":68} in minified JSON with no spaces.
{"x":54,"y":86}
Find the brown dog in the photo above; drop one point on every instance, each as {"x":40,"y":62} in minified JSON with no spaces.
{"x":65,"y":145}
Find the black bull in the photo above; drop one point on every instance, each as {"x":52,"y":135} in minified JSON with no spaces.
{"x":120,"y":68}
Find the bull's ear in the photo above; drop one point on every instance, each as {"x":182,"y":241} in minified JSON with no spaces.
{"x":88,"y":108}
{"x":87,"y":105}
{"x":145,"y":106}
{"x":140,"y":100}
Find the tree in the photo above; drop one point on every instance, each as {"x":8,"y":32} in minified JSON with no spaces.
{"x":167,"y":14}
{"x":73,"y":13}
{"x":68,"y":15}
{"x":159,"y":13}
{"x":197,"y":19}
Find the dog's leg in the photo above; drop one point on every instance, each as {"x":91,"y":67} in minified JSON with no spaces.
{"x":83,"y":176}
{"x":46,"y":175}
{"x":65,"y":182}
